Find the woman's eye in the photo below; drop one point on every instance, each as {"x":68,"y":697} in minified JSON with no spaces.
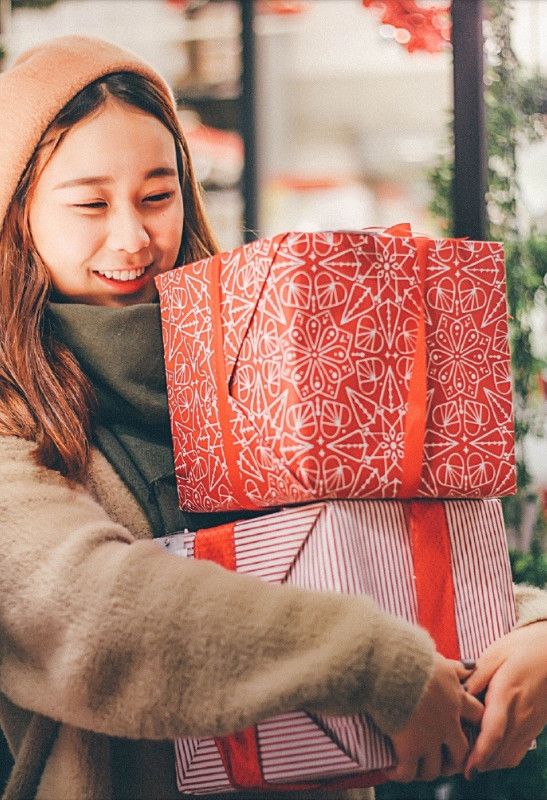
{"x":94,"y":204}
{"x":157,"y":198}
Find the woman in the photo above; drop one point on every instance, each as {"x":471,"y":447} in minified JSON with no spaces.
{"x":111,"y":648}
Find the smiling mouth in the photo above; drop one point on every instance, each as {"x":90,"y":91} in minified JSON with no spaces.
{"x":122,"y":275}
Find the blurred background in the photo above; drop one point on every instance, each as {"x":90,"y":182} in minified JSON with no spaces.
{"x":347,"y":122}
{"x":321,"y":114}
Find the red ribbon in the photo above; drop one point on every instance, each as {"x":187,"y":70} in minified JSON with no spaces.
{"x":416,"y":409}
{"x":217,"y":544}
{"x":224,"y":414}
{"x":432,"y":561}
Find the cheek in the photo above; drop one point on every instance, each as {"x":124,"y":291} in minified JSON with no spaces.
{"x":66,"y":243}
{"x":40,"y":231}
{"x":58,"y":237}
{"x":169,"y":233}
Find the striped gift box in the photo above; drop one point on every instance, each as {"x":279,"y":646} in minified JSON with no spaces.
{"x":458,"y":586}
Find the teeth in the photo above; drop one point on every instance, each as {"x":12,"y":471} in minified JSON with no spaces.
{"x":122,"y":275}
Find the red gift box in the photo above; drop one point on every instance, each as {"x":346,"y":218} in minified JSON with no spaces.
{"x":339,"y":365}
{"x":443,"y":564}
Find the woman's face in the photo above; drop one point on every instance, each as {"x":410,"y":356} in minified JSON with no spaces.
{"x":106,"y":213}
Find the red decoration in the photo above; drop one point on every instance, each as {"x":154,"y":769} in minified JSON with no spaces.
{"x":181,"y":5}
{"x":282,"y":7}
{"x":416,"y":25}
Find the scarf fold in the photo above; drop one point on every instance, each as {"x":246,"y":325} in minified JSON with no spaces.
{"x":120,"y":351}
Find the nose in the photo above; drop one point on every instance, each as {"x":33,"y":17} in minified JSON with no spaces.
{"x":127,"y":231}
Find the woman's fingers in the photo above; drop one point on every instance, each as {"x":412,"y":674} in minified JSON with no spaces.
{"x":490,"y":739}
{"x":405,"y":771}
{"x":408,"y":757}
{"x":433,"y":742}
{"x":430,"y":767}
{"x":514,"y":668}
{"x":479,"y":678}
{"x":465,"y":667}
{"x":454,"y":753}
{"x":424,"y":760}
{"x":505,"y":737}
{"x":429,"y":764}
{"x":472,"y":710}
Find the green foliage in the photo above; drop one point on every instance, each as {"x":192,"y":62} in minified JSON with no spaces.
{"x":530,"y":567}
{"x":513,"y":101}
{"x":441,"y":179}
{"x":32,"y":3}
{"x":515,"y":105}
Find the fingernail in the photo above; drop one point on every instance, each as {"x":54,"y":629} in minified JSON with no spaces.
{"x":468,"y":663}
{"x":473,"y":775}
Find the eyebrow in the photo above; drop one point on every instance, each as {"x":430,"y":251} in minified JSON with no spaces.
{"x":93,"y":180}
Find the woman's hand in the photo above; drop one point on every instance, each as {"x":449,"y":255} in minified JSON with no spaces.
{"x":513,"y":670}
{"x":433,"y":742}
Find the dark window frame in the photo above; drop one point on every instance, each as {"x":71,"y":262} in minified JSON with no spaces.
{"x":470,"y":153}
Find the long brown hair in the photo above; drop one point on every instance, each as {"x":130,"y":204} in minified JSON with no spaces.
{"x":44,"y":396}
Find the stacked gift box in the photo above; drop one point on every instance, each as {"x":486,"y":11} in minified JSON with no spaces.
{"x":360,"y":382}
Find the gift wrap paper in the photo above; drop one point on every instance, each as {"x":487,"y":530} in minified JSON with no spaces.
{"x":441,"y":564}
{"x":341,"y":364}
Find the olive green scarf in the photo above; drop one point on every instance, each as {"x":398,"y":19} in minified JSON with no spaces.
{"x":120,"y":351}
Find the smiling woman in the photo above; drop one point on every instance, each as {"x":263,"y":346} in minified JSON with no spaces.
{"x":97,"y":187}
{"x":94,"y":230}
{"x":110,"y":646}
{"x":106,"y":228}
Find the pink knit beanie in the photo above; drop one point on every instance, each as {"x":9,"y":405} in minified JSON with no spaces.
{"x":40,"y":84}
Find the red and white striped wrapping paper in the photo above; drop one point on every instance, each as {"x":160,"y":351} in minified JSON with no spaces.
{"x":459,"y":587}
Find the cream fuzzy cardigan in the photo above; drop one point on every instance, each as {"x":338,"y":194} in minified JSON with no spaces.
{"x":111,"y":647}
{"x":108,"y":635}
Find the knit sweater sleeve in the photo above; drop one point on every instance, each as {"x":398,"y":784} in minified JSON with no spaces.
{"x":531,"y":604}
{"x":112,"y":634}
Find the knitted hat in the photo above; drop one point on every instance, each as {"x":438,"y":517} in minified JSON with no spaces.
{"x":40,"y":84}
